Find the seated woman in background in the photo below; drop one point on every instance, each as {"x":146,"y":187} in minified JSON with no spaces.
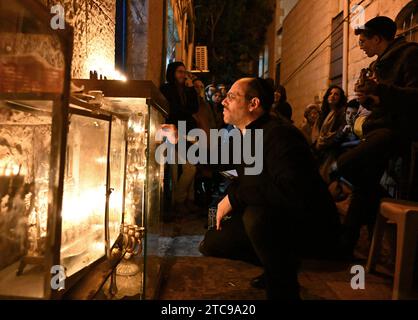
{"x":281,"y":106}
{"x":331,"y":120}
{"x":308,"y":128}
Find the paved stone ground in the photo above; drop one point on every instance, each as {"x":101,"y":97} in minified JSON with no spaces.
{"x":193,"y":277}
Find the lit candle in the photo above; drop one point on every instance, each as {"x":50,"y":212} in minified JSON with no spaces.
{"x":16,"y":170}
{"x":7,"y":171}
{"x":141,"y":176}
{"x":136,"y":123}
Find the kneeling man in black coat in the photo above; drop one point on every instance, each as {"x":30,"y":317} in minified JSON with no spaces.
{"x":286,"y":210}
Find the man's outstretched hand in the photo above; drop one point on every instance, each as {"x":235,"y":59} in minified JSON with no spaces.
{"x":170,"y":132}
{"x":224,"y":208}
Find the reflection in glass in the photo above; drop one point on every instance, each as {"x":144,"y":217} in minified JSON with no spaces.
{"x":82,"y":239}
{"x":24,"y":185}
{"x":117,"y":172}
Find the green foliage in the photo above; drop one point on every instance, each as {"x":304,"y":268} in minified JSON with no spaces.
{"x":234,"y":31}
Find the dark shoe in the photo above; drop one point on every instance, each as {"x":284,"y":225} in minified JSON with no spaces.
{"x":259,"y":282}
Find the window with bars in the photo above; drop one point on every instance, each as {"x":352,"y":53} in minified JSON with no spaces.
{"x":407,"y":21}
{"x":337,"y":39}
{"x":201,"y":58}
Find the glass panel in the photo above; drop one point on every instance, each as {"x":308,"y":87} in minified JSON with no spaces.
{"x":117,"y":173}
{"x":25,"y":147}
{"x":32,"y":76}
{"x":130,"y":272}
{"x":83,"y":214}
{"x":136,"y":169}
{"x":153,"y":214}
{"x":31,"y":59}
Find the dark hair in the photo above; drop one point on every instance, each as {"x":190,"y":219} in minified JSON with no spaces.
{"x":197,"y":79}
{"x":309,"y":109}
{"x":208,"y":89}
{"x":379,"y":26}
{"x":270,"y":81}
{"x":171,"y":71}
{"x":261,"y":89}
{"x":326,"y":109}
{"x":210,"y":86}
{"x":283,"y":93}
{"x":353,"y":104}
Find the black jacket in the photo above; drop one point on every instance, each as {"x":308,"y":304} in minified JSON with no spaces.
{"x":284,"y":109}
{"x":396,"y":70}
{"x":289,"y":186}
{"x":183,"y":101}
{"x":182,"y":105}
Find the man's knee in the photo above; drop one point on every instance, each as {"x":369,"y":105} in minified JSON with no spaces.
{"x":231,"y":242}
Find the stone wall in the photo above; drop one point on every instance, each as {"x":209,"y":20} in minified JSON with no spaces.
{"x":137,"y":44}
{"x":94,"y":34}
{"x":183,"y":14}
{"x":156,"y":39}
{"x":145,"y":40}
{"x":94,"y":37}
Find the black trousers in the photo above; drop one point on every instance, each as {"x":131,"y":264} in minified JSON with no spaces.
{"x":364,"y":167}
{"x":258,"y":236}
{"x":232,"y":242}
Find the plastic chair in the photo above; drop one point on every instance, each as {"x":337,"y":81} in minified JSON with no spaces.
{"x":405,"y":215}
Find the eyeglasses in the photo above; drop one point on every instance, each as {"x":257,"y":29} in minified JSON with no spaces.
{"x":362,"y":42}
{"x":232,"y":96}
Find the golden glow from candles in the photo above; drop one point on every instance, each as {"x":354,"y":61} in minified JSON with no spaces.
{"x":136,"y":123}
{"x":15,"y":170}
{"x":97,"y":246}
{"x":77,"y":208}
{"x":80,"y":207}
{"x":11,"y":169}
{"x":98,"y":62}
{"x":141,"y":176}
{"x":119,"y":76}
{"x":101,"y":160}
